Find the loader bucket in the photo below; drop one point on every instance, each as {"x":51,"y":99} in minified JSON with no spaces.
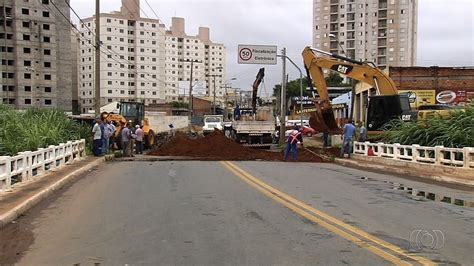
{"x":323,"y":120}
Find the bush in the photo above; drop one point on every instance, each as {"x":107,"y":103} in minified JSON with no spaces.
{"x":36,"y":128}
{"x":457,"y":131}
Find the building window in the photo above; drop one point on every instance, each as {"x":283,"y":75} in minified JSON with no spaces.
{"x":27,"y":75}
{"x":26,"y":50}
{"x":47,"y":52}
{"x":26,"y":37}
{"x":46,"y":39}
{"x":47,"y":102}
{"x":27,"y":101}
{"x":47,"y":76}
{"x":47,"y":89}
{"x":46,"y":14}
{"x":45,"y":2}
{"x":26,"y":24}
{"x":27,"y":88}
{"x":47,"y":64}
{"x":109,"y":82}
{"x":45,"y":26}
{"x":25,"y":11}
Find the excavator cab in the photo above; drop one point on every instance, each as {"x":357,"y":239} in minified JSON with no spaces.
{"x":384,"y":108}
{"x":132,"y":111}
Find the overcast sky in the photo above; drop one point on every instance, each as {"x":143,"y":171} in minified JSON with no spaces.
{"x":445,"y":29}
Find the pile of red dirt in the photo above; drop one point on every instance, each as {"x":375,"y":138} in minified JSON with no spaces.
{"x":216,"y":146}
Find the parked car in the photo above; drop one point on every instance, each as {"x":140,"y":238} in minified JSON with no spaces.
{"x":308,"y":131}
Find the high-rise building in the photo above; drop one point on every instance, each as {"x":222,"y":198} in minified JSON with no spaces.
{"x":35,"y":54}
{"x":132,"y":58}
{"x":209,"y":61}
{"x":380,"y":31}
{"x":143,"y":61}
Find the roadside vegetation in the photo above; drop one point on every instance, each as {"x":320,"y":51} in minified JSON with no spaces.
{"x":36,"y":128}
{"x":457,"y":131}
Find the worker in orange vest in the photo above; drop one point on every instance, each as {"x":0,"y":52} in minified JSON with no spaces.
{"x":291,"y":143}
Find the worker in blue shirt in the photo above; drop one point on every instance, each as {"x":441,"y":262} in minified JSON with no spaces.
{"x":347,"y":134}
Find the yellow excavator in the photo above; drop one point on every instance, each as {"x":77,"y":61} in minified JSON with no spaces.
{"x":382,"y":108}
{"x":131,"y":113}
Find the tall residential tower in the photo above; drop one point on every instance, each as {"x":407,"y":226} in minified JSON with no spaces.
{"x":35,"y":54}
{"x":380,"y":31}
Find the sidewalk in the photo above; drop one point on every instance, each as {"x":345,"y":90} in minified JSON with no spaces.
{"x":400,"y":168}
{"x":23,"y":196}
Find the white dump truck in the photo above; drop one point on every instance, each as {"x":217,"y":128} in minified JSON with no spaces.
{"x":253,"y":130}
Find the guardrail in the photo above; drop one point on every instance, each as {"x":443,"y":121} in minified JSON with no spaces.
{"x":25,"y":165}
{"x":438,"y":155}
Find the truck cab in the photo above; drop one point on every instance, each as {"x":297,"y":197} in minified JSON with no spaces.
{"x":212,"y":122}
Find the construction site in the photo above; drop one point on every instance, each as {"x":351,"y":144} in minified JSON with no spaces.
{"x":216,"y":146}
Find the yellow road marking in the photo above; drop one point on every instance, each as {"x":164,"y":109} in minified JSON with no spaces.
{"x":309,"y":212}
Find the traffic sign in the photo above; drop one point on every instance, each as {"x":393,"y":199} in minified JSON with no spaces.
{"x":257,"y":54}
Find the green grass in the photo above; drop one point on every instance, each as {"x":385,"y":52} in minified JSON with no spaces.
{"x":36,"y":128}
{"x":457,"y":131}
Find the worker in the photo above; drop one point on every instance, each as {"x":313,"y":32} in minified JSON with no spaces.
{"x":291,"y":143}
{"x":139,"y":139}
{"x":362,"y":132}
{"x":172,"y":131}
{"x":326,"y":138}
{"x":347,"y":134}
{"x":237,"y":112}
{"x":97,"y":137}
{"x":126,"y":138}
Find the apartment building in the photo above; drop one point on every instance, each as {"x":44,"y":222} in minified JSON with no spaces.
{"x":209,"y":61}
{"x":132,"y":58}
{"x":380,"y":31}
{"x":143,"y":61}
{"x":35,"y":54}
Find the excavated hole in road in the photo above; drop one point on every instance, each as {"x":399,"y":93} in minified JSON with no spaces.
{"x":217,"y":147}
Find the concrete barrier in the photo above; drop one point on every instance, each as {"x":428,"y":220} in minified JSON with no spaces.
{"x":159,"y":122}
{"x":439,"y":155}
{"x":25,"y":165}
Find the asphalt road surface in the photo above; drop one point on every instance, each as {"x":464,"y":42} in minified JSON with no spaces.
{"x":243,"y":213}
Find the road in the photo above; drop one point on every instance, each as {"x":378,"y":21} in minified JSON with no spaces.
{"x":243,"y":213}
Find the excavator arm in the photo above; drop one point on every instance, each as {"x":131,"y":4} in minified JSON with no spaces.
{"x":255,"y":85}
{"x":323,"y":119}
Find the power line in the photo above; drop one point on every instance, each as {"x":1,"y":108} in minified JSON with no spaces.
{"x":152,"y":10}
{"x":88,"y":41}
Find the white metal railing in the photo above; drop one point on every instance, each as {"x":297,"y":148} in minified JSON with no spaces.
{"x":439,"y":155}
{"x":25,"y":165}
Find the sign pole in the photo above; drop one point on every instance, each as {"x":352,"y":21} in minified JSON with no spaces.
{"x":283,"y":100}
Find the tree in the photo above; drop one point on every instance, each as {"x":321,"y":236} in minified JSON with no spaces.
{"x":334,"y":80}
{"x":293,"y":88}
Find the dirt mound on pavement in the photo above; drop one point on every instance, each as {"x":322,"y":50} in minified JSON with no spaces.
{"x":216,"y":146}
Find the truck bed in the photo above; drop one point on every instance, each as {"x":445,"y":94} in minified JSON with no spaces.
{"x":254,"y":127}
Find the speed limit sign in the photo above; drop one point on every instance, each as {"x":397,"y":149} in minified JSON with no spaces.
{"x":245,"y":54}
{"x":257,"y":54}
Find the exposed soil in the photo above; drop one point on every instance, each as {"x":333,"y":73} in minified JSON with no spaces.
{"x":216,"y":146}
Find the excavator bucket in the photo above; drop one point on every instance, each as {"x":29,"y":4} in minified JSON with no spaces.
{"x":324,"y":120}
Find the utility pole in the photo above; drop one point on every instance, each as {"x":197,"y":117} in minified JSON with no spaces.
{"x":214,"y":97}
{"x":283,"y":100}
{"x":97,"y":59}
{"x":190,"y":104}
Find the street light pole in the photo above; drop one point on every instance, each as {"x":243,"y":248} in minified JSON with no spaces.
{"x":301,"y":86}
{"x":97,"y":59}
